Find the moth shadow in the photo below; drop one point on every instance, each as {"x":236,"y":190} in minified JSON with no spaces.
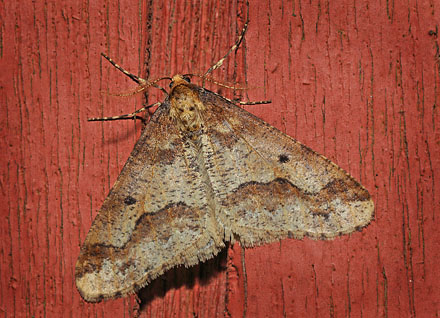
{"x":180,"y":276}
{"x":123,"y":135}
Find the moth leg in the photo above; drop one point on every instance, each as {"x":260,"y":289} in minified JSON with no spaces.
{"x":235,"y":46}
{"x":125,"y":116}
{"x":254,"y":103}
{"x":235,"y":101}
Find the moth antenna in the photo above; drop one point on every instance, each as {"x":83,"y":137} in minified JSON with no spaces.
{"x":235,"y":46}
{"x":135,"y":78}
{"x":143,"y":83}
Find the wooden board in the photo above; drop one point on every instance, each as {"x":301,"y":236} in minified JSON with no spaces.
{"x":356,"y":81}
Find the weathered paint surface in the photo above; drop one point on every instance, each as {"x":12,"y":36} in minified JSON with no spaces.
{"x":356,"y":81}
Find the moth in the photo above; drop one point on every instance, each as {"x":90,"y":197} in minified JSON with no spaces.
{"x":205,"y":172}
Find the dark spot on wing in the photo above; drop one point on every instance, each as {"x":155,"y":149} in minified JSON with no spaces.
{"x":283,"y":158}
{"x":129,"y":200}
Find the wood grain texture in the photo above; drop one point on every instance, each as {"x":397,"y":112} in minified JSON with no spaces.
{"x":356,"y":81}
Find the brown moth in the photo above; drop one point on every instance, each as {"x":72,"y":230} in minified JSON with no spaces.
{"x":205,"y":172}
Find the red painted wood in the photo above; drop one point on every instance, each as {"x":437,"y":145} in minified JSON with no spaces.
{"x":356,"y":81}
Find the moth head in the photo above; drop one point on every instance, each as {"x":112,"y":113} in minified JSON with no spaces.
{"x":186,"y":107}
{"x":179,"y":79}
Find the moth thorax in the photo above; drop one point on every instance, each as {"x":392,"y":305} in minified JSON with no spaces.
{"x":186,"y":109}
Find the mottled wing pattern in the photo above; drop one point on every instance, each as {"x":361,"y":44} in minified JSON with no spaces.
{"x":269,"y":186}
{"x":156,"y":216}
